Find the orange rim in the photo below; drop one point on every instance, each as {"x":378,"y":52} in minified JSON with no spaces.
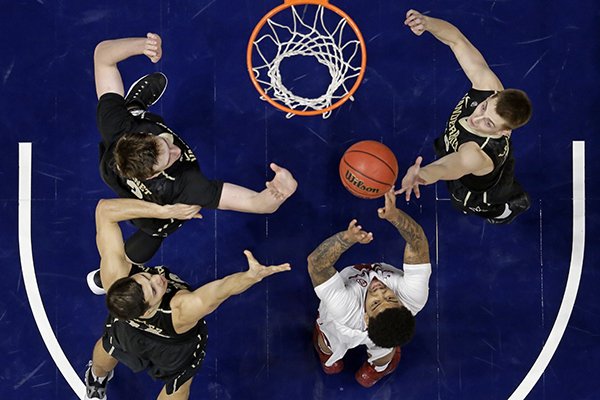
{"x":287,"y":4}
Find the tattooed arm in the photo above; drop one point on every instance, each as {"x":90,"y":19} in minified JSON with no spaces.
{"x":417,"y":247}
{"x":321,"y":261}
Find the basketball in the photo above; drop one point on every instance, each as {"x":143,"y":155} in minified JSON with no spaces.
{"x":368,"y":169}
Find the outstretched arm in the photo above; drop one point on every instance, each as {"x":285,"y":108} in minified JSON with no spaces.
{"x":109,"y":52}
{"x":469,"y":159}
{"x":322,"y":260}
{"x":416,"y":250}
{"x":469,"y":58}
{"x":109,"y":239}
{"x":189,"y":308}
{"x":278,"y":190}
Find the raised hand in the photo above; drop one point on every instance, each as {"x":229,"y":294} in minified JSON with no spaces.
{"x":259,"y":271}
{"x":153,"y":47}
{"x":181,"y":211}
{"x":389,"y":211}
{"x":416,"y":21}
{"x":355,"y":234}
{"x":283,"y":184}
{"x":411,"y":181}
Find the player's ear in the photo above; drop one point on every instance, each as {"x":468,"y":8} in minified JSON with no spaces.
{"x":505,"y":132}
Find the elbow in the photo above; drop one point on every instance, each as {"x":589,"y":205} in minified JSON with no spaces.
{"x":103,"y":208}
{"x":311,"y":263}
{"x":311,"y":260}
{"x":99,"y":50}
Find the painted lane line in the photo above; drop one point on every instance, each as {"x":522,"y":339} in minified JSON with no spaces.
{"x":29,"y":278}
{"x":572,"y":286}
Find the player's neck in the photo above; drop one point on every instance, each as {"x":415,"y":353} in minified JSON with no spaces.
{"x":150,"y":313}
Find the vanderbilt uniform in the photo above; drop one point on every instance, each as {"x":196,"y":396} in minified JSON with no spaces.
{"x":152,"y":344}
{"x":183,"y":182}
{"x":485,"y":195}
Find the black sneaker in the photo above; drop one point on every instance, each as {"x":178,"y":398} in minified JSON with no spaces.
{"x":94,"y":390}
{"x":146,"y":91}
{"x":94,"y":282}
{"x":517,"y":205}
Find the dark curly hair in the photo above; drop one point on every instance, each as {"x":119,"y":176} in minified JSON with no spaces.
{"x":392,"y":327}
{"x":136,"y":155}
{"x":125,"y":299}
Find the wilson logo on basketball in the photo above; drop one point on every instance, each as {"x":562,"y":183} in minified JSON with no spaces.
{"x":368,"y":169}
{"x":359,"y":184}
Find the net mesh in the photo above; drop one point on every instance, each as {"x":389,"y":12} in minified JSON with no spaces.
{"x":307,"y":35}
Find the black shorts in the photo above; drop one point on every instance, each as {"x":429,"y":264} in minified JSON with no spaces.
{"x":172,"y":361}
{"x":489,"y":203}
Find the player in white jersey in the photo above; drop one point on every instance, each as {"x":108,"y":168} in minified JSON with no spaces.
{"x":370,"y":304}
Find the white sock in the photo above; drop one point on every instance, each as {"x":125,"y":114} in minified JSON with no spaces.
{"x":506,"y":213}
{"x":99,"y":379}
{"x":381,"y":368}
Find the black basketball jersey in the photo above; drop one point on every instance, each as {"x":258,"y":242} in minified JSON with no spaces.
{"x":182,"y":182}
{"x":161,"y":323}
{"x":163,"y":189}
{"x":498,"y":149}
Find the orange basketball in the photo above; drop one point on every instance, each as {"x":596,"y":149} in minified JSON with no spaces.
{"x":368,"y":169}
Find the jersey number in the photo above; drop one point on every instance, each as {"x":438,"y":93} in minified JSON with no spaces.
{"x":135,"y":189}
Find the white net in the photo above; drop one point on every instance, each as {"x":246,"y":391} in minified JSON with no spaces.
{"x":307,"y":35}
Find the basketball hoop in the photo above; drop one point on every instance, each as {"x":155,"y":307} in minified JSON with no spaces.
{"x":309,"y":28}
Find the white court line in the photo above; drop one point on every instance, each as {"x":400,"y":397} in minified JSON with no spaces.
{"x":520,"y":393}
{"x":29,"y":278}
{"x":568,"y":301}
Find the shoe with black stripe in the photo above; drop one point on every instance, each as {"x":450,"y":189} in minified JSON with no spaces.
{"x":517,"y":205}
{"x":146,"y":91}
{"x":95,"y":389}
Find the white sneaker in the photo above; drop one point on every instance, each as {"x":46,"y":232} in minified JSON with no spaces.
{"x":94,"y":282}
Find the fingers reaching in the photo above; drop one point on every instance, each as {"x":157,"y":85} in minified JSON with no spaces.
{"x":181,"y":211}
{"x":250,"y":256}
{"x":261,"y":271}
{"x":153,"y":47}
{"x":390,"y":204}
{"x":418,"y":161}
{"x":283,"y":185}
{"x":390,"y":197}
{"x":356,"y":234}
{"x":273,"y":269}
{"x":415,"y":21}
{"x":276,"y":168}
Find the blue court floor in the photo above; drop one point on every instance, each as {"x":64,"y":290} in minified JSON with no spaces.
{"x":496,"y":293}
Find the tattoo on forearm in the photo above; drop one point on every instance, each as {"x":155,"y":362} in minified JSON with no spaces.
{"x":321,"y":261}
{"x":417,"y":247}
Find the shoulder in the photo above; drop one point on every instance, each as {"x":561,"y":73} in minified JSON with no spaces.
{"x":480,"y":95}
{"x":473,"y":157}
{"x":110,"y":102}
{"x":182,"y":300}
{"x":335,"y":282}
{"x":417,"y":269}
{"x":472,"y":152}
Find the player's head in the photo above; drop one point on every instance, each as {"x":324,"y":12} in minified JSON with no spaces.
{"x":131,"y":297}
{"x":142,"y":156}
{"x":502,"y":112}
{"x":389,"y":323}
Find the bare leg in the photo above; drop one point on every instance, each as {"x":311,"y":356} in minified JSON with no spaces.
{"x":385,"y":360}
{"x":238,"y":198}
{"x":183,"y":393}
{"x":102,"y":362}
{"x":322,"y":345}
